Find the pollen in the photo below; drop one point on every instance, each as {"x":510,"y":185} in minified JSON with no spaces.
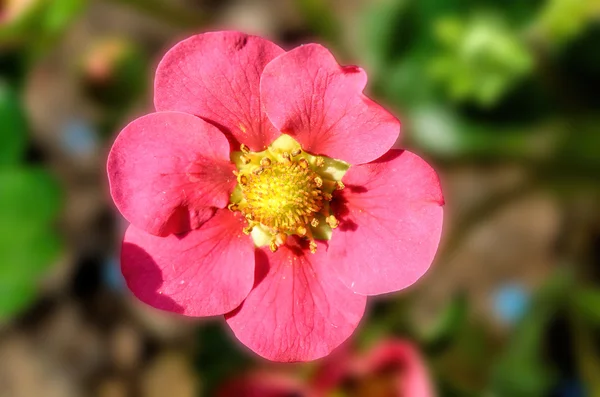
{"x":282,"y":196}
{"x":285,"y":191}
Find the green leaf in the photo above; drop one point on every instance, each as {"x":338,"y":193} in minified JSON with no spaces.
{"x":25,"y":256}
{"x":389,"y":28}
{"x":321,"y":19}
{"x":13,"y":130}
{"x":60,"y":13}
{"x":444,"y":133}
{"x":522,"y":370}
{"x":29,"y":203}
{"x":448,"y":325}
{"x":14,"y":298}
{"x":587,"y":304}
{"x":478,"y":59}
{"x":29,"y":198}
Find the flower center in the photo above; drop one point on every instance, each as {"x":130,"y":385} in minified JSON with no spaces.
{"x":283,"y":196}
{"x":285,"y":191}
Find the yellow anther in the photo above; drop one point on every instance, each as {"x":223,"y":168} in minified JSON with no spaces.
{"x":280,"y":239}
{"x":245,"y":159}
{"x":340,"y":185}
{"x":303,"y":163}
{"x":332,"y":221}
{"x":284,"y":192}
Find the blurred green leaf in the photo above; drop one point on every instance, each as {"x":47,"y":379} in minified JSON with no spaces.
{"x":29,"y":203}
{"x":448,"y":325}
{"x":218,"y":359}
{"x":25,"y":256}
{"x":522,"y":370}
{"x":587,"y":303}
{"x":29,"y":198}
{"x":14,"y":298}
{"x":560,"y":21}
{"x":320,"y":16}
{"x":442,"y":132}
{"x":580,"y":143}
{"x":13,"y":133}
{"x":479,"y":59}
{"x":19,"y":20}
{"x":59,"y":13}
{"x":389,"y":28}
{"x":39,"y":24}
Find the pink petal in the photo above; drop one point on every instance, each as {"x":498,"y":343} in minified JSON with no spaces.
{"x":333,"y":371}
{"x":216,"y":76}
{"x":265,"y":384}
{"x":309,"y":96}
{"x":397,"y":359}
{"x":390,"y":223}
{"x":169,"y":172}
{"x":297,"y":311}
{"x":207,"y":272}
{"x":412,"y":374}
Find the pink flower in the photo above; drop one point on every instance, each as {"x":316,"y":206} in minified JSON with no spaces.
{"x":266,"y":383}
{"x":392,"y":368}
{"x":268,"y":235}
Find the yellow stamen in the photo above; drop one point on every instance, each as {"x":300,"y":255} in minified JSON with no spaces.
{"x":332,"y":221}
{"x":283,"y":191}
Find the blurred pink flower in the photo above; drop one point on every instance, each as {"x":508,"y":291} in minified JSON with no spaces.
{"x":266,"y":383}
{"x":302,"y":291}
{"x":392,"y":368}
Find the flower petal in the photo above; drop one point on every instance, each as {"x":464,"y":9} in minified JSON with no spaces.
{"x":392,"y":367}
{"x":207,"y":272}
{"x":265,"y":383}
{"x":169,"y":171}
{"x":216,"y":76}
{"x":412,"y":377}
{"x":390,"y":223}
{"x":297,"y":311}
{"x":307,"y":95}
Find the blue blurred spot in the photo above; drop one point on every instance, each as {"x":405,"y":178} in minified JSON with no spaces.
{"x":511,"y":302}
{"x":79,"y":137}
{"x":111,"y":273}
{"x":571,"y":388}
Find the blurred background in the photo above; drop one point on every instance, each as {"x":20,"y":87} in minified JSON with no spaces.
{"x":501,"y":97}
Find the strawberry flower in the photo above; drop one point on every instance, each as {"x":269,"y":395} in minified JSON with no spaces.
{"x":390,"y":368}
{"x":264,"y":187}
